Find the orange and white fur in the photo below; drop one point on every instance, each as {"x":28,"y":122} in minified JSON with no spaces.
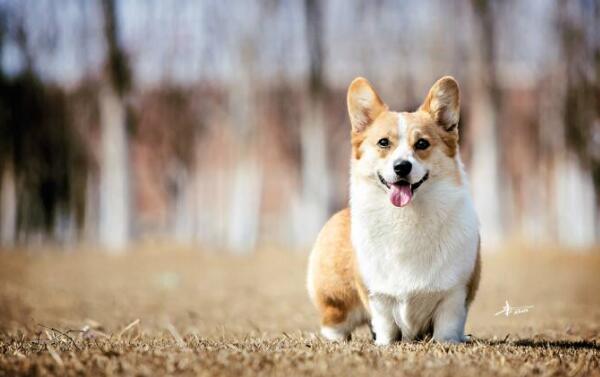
{"x":405,"y":255}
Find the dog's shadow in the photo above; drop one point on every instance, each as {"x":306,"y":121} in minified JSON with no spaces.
{"x":591,"y":345}
{"x":540,"y":343}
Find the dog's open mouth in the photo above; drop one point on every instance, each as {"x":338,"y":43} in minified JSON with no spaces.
{"x":401,"y":191}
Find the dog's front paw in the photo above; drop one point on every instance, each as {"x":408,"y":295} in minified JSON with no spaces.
{"x":385,"y":339}
{"x":450,"y":339}
{"x":383,"y":342}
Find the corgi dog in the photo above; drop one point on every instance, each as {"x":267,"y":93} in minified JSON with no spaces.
{"x":404,"y":257}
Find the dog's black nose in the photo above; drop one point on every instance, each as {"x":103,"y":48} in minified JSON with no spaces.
{"x":402,"y":168}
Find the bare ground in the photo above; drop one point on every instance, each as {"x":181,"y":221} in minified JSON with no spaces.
{"x":165,"y":312}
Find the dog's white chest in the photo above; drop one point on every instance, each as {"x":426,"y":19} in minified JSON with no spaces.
{"x":406,"y":251}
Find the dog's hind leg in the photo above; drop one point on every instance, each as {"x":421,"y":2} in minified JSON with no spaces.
{"x":338,"y":322}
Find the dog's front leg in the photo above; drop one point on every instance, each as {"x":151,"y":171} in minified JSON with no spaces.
{"x":450,"y":317}
{"x":382,"y":319}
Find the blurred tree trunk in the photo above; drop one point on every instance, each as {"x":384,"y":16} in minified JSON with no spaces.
{"x":8,"y":207}
{"x":313,"y":209}
{"x":577,"y":162}
{"x":8,"y":190}
{"x":485,"y":108}
{"x":181,"y":208}
{"x":244,"y":208}
{"x":574,"y":202}
{"x":245,"y":184}
{"x":114,"y":159}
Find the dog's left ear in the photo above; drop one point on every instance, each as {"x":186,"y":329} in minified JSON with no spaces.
{"x":443,"y":103}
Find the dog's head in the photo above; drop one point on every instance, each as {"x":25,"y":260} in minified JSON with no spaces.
{"x":403,"y":151}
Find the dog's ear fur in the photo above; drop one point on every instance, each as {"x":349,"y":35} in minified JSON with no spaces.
{"x":443,"y":103}
{"x":364,"y":105}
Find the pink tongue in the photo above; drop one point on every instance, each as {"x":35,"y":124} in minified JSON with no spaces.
{"x":400,"y":195}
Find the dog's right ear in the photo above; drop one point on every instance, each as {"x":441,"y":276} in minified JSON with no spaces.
{"x":364,"y":105}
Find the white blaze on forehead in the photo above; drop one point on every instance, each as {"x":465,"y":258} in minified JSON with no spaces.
{"x":402,"y":150}
{"x":402,"y":127}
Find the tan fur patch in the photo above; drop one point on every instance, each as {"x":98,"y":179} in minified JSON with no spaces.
{"x":357,"y":139}
{"x":384,"y":126}
{"x":422,"y":125}
{"x":335,"y":274}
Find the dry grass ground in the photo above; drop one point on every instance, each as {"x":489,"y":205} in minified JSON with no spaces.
{"x":203,"y":314}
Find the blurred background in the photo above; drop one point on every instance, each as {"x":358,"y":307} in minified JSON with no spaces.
{"x":222,"y":125}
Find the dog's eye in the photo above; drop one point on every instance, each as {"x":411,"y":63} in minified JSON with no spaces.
{"x":421,"y":144}
{"x":384,"y":143}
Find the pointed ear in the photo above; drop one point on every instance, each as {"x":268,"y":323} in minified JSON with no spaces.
{"x":364,"y":105}
{"x":443,"y":103}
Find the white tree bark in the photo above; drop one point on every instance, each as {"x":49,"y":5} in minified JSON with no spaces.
{"x":244,"y":210}
{"x":114,"y":173}
{"x":485,"y":181}
{"x":245,"y":181}
{"x":486,"y":175}
{"x":574,"y":203}
{"x":313,"y":210}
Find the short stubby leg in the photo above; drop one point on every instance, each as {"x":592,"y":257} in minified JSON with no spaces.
{"x":382,"y":320}
{"x":450,"y":317}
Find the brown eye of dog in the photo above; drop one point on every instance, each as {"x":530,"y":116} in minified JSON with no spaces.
{"x":384,"y":143}
{"x":421,"y":144}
